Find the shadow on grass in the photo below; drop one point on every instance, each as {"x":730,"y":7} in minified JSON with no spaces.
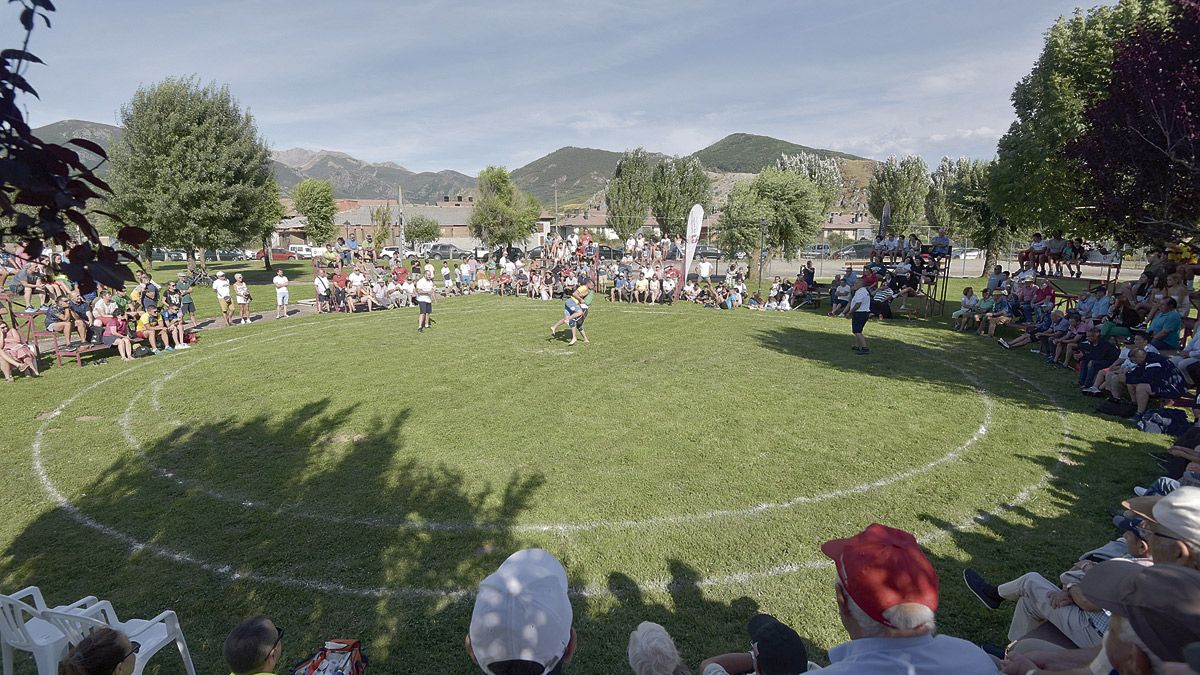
{"x":328,"y":520}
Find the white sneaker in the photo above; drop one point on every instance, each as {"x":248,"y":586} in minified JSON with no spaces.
{"x":183,"y":346}
{"x":1140,"y":491}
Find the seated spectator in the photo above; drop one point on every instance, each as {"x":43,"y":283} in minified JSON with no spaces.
{"x":995,"y":280}
{"x":1023,"y":301}
{"x":1101,"y":304}
{"x":59,"y":318}
{"x":1094,"y":354}
{"x":841,"y":293}
{"x":1064,"y":346}
{"x":1114,"y":375}
{"x":1044,"y":299}
{"x":1188,"y":360}
{"x":1032,"y":332}
{"x":1000,"y":315}
{"x":1164,"y":328}
{"x":1121,"y":320}
{"x":775,"y":649}
{"x":1171,"y":525}
{"x":253,"y":647}
{"x":522,"y":619}
{"x":941,"y":245}
{"x":15,"y":353}
{"x":887,"y":596}
{"x":985,"y":305}
{"x":652,"y":652}
{"x":1054,"y":252}
{"x":1153,"y":376}
{"x":881,"y":302}
{"x":104,"y":651}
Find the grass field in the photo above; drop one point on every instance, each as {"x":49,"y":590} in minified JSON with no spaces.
{"x":353,"y":478}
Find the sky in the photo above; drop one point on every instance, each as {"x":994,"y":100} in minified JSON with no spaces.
{"x":453,"y":85}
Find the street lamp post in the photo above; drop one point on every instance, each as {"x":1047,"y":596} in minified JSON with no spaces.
{"x":762,"y":249}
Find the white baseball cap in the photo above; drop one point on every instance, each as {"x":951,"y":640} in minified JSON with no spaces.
{"x":1178,"y":513}
{"x":522,"y":612}
{"x":220,"y":274}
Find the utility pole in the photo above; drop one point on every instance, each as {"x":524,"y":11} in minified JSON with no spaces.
{"x":762,"y":249}
{"x":400,"y":217}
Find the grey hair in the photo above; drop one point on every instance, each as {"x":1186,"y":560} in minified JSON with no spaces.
{"x":653,"y":652}
{"x":1127,"y":634}
{"x":905,"y":616}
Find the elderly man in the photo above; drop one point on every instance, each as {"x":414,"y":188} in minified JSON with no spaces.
{"x":522,"y":618}
{"x":1172,"y":526}
{"x":253,"y":647}
{"x":887,"y":595}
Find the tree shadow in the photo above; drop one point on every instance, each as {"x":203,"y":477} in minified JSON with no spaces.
{"x":332,"y":533}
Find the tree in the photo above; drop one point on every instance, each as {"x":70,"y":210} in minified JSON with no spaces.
{"x":502,"y":214}
{"x":782,"y":209}
{"x":904,"y":183}
{"x":381,"y":217}
{"x":742,"y":219}
{"x":1035,"y":183}
{"x":937,"y":201}
{"x":1141,"y":152}
{"x":629,"y":193}
{"x":676,"y":185}
{"x":45,"y":187}
{"x":824,"y":172}
{"x":191,"y":168}
{"x":421,"y":229}
{"x":313,"y":199}
{"x":970,"y":199}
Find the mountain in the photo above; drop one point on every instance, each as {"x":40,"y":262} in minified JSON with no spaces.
{"x":748,"y":153}
{"x":293,"y":157}
{"x":352,"y":177}
{"x":105,"y":135}
{"x":578,"y":173}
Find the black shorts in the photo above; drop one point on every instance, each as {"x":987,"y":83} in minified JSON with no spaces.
{"x":188,"y":308}
{"x":426,"y":307}
{"x":858,"y":321}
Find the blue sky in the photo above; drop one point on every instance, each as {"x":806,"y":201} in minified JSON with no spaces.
{"x":448,"y":85}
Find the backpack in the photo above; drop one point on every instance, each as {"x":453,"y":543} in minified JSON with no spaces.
{"x":1165,"y":421}
{"x":336,"y":657}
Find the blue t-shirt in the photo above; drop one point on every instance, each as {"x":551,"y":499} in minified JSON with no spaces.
{"x":1101,"y":306}
{"x":1170,"y":322}
{"x":925,"y":654}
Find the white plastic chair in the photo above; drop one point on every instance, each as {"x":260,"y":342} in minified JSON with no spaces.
{"x":23,"y":627}
{"x":151,"y":634}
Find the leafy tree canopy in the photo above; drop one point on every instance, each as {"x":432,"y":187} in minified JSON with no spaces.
{"x":191,"y":168}
{"x":904,"y":183}
{"x":676,"y":185}
{"x":824,"y":172}
{"x":502,"y":214}
{"x":421,"y":229}
{"x":629,"y":193}
{"x":313,"y":199}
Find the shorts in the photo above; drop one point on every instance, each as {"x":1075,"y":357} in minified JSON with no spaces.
{"x":426,"y":307}
{"x":224,"y":301}
{"x":858,"y":321}
{"x":188,"y":307}
{"x":569,"y":308}
{"x":281,"y":298}
{"x":447,"y":283}
{"x":141,"y":334}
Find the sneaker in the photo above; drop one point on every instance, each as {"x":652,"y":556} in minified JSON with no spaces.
{"x":1091,"y":390}
{"x":863,"y":352}
{"x":168,"y":349}
{"x":30,"y":310}
{"x":183,"y":346}
{"x":1004,"y":343}
{"x":1140,"y":491}
{"x":986,"y":592}
{"x":1036,"y":351}
{"x":153,"y":351}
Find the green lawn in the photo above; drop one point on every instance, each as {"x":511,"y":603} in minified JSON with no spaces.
{"x":353,"y":478}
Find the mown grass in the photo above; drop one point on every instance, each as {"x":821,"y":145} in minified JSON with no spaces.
{"x":656,"y":462}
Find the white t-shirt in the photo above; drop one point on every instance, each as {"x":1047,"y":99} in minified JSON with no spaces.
{"x":862,"y":298}
{"x":969,"y":301}
{"x":356,"y":279}
{"x":445,"y":273}
{"x":281,"y":283}
{"x":705,"y":268}
{"x":843,"y":292}
{"x":221,"y":286}
{"x":424,"y":290}
{"x":321,"y":284}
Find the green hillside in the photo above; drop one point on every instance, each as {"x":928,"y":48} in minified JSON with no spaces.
{"x":104,"y":135}
{"x":748,"y":153}
{"x":577,"y":173}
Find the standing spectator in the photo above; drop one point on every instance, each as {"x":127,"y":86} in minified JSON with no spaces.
{"x":242,"y":292}
{"x":353,"y":248}
{"x":522,"y":618}
{"x":887,"y":596}
{"x":253,"y":647}
{"x":704,"y":269}
{"x":860,"y":311}
{"x":425,"y":295}
{"x":281,"y":294}
{"x":323,"y":287}
{"x":187,"y":305}
{"x":220,"y":286}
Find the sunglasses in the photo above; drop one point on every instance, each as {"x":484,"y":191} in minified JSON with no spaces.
{"x":134,"y":648}
{"x":1144,"y":533}
{"x":278,"y":636}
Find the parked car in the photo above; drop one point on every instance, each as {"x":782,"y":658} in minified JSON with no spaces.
{"x":816,"y":251}
{"x":277,"y":254}
{"x":611,"y":253}
{"x":966,"y":253}
{"x":390,"y":252}
{"x":163,"y":255}
{"x":445,"y":252}
{"x":709,"y":251}
{"x":513,"y":253}
{"x":859,"y":251}
{"x":302,"y":250}
{"x":535,"y":252}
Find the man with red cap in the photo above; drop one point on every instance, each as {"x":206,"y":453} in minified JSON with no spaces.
{"x":887,"y":594}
